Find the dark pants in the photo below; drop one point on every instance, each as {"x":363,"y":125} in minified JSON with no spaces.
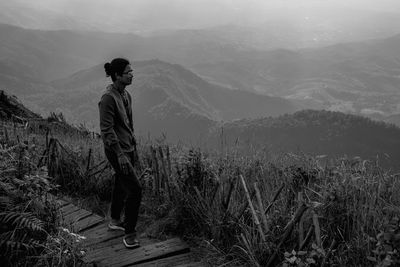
{"x":127,"y":193}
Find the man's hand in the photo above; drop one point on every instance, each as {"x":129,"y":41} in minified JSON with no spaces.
{"x":125,"y":164}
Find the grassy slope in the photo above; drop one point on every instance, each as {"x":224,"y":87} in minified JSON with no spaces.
{"x":350,"y":207}
{"x":354,"y":201}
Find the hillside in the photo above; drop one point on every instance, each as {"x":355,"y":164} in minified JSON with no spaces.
{"x":316,"y":132}
{"x":360,"y":78}
{"x":12,"y":108}
{"x":328,"y":133}
{"x":203,"y":196}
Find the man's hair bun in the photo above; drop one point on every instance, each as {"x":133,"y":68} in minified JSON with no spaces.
{"x":109,"y":69}
{"x":116,"y":66}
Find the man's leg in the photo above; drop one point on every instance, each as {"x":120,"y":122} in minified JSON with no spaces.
{"x":133,"y":191}
{"x":134,"y":197}
{"x":132,"y":204}
{"x":117,"y":204}
{"x":118,"y":194}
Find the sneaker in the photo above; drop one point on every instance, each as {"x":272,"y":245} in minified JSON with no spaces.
{"x":130,"y":241}
{"x":116,"y":225}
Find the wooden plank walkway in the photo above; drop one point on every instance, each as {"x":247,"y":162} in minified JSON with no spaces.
{"x":105,"y":247}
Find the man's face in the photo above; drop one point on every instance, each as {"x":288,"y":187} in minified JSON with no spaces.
{"x":127,"y":75}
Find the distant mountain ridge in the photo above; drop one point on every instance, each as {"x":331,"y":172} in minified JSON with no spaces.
{"x":315,"y":132}
{"x":293,"y":26}
{"x":359,"y":78}
{"x":56,"y":54}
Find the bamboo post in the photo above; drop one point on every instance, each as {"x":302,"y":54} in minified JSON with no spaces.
{"x":96,"y":166}
{"x":155,"y":171}
{"x":160,"y":173}
{"x":296,"y":217}
{"x":288,"y":230}
{"x":51,"y":158}
{"x":227,"y":200}
{"x":172,"y":179}
{"x":47,"y":137}
{"x":301,"y":222}
{"x":88,"y":162}
{"x":274,"y":198}
{"x":201,"y":199}
{"x":42,"y":157}
{"x":214,"y":193}
{"x":99,"y":171}
{"x":164,"y":172}
{"x":21,"y":150}
{"x":317,"y":229}
{"x":169,"y":161}
{"x":261,"y":208}
{"x":307,"y":238}
{"x":243,"y":208}
{"x":256,"y":221}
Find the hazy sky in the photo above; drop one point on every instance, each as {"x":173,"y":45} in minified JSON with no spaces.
{"x":201,"y":5}
{"x":199,"y":13}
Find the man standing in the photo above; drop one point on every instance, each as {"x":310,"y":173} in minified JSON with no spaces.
{"x":116,"y":127}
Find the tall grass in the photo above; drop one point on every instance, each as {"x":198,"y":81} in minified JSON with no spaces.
{"x":350,"y":207}
{"x":289,"y":210}
{"x":30,"y":232}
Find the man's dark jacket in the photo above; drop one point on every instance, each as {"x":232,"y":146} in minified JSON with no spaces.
{"x":116,"y":124}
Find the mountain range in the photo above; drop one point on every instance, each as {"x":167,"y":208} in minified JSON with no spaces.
{"x":248,"y":25}
{"x":317,"y":132}
{"x":358,"y":78}
{"x":166,"y":97}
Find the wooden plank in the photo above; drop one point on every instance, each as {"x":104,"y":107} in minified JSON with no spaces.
{"x":153,"y":253}
{"x":68,"y":209}
{"x":80,"y":213}
{"x":100,"y":234}
{"x":118,"y":255}
{"x":87,"y":223}
{"x":112,"y":241}
{"x":144,"y":241}
{"x":61,"y":202}
{"x":76,"y":216}
{"x":186,"y":259}
{"x":66,"y":214}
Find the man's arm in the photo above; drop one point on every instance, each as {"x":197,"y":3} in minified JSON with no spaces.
{"x":107,"y":110}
